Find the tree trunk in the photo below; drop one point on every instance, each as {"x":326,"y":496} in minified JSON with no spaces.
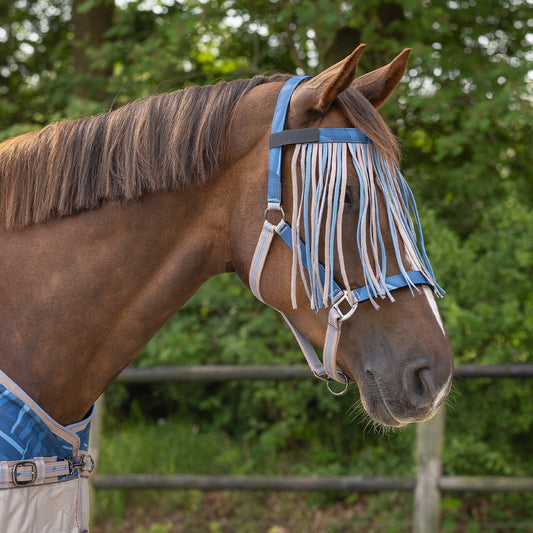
{"x":384,"y":17}
{"x":90,"y":27}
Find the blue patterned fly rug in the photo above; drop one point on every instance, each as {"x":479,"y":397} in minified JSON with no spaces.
{"x":43,"y":463}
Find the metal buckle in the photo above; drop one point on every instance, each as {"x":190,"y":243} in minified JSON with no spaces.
{"x":353,"y":306}
{"x":33,"y":473}
{"x":320,"y":373}
{"x":85,"y":459}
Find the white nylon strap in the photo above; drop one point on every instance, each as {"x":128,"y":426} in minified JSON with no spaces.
{"x":330,"y":344}
{"x":326,"y":370}
{"x":309,"y":352}
{"x":256,"y":269}
{"x":258,"y":260}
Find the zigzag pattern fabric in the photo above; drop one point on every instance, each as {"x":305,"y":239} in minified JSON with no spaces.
{"x":319,"y":180}
{"x":26,"y":431}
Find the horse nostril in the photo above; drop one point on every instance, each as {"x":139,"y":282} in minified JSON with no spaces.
{"x":418,"y":384}
{"x":423,"y":378}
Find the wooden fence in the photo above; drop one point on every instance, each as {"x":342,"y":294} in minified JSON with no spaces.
{"x":427,"y":485}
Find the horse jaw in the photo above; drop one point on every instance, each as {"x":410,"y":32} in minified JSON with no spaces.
{"x":401,"y":361}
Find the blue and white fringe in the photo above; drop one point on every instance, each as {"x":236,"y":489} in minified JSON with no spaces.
{"x":319,"y":180}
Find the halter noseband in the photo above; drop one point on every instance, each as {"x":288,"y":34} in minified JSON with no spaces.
{"x":343,"y":302}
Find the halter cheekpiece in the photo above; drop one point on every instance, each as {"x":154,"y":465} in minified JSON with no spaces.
{"x":319,"y":172}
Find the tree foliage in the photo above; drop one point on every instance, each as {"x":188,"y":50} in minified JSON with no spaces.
{"x":463,"y":116}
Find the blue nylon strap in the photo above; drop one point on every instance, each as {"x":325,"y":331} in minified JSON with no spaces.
{"x":282,"y":105}
{"x":284,"y":231}
{"x":278,"y":124}
{"x":392,"y":282}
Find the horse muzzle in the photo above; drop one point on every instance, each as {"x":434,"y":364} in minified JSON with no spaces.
{"x":413,"y":393}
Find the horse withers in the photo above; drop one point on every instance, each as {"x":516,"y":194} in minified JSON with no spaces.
{"x":110,"y":224}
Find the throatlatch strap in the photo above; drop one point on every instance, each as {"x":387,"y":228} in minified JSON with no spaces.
{"x":256,"y":269}
{"x":258,"y":260}
{"x":309,"y":352}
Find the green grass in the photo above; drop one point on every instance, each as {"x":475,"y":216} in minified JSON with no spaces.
{"x":164,"y":447}
{"x":257,"y":512}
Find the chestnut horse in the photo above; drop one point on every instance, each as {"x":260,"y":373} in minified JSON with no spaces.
{"x":110,"y":224}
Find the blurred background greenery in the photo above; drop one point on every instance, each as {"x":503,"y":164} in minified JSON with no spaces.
{"x":463,"y":115}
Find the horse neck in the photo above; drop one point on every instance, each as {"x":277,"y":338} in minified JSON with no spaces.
{"x":80,"y":296}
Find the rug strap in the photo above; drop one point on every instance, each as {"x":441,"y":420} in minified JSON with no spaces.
{"x":42,"y":470}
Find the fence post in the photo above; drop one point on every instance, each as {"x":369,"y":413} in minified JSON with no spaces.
{"x":427,"y":504}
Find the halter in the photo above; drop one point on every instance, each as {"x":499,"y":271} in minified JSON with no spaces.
{"x":327,"y":149}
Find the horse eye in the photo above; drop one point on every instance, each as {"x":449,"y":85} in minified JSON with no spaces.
{"x":347,"y":198}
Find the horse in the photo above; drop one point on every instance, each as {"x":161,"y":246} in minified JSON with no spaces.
{"x":109,"y":225}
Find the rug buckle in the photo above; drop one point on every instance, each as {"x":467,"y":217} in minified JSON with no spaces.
{"x":33,"y":472}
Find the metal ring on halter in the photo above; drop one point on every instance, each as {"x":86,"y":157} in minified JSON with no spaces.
{"x":328,"y":379}
{"x":353,"y":306}
{"x":346,"y":384}
{"x":275,"y":208}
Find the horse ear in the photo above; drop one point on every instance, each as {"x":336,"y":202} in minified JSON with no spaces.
{"x":318,"y":93}
{"x":378,"y":85}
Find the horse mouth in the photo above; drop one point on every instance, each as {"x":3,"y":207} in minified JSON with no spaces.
{"x":374,"y":403}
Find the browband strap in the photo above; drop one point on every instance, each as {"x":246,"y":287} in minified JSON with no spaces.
{"x":317,"y":135}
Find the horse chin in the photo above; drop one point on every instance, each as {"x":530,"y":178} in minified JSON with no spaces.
{"x":378,"y":411}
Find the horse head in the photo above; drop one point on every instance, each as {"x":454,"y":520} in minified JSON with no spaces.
{"x":355,"y":258}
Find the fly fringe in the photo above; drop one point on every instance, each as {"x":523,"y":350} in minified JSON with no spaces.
{"x":319,"y":181}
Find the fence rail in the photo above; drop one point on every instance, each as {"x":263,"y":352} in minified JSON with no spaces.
{"x":213,"y":373}
{"x":485,"y":484}
{"x":427,"y":485}
{"x":249,"y":482}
